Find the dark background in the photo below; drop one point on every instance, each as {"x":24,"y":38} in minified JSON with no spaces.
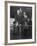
{"x":13,"y":10}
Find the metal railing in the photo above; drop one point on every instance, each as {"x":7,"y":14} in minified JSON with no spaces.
{"x":12,"y":27}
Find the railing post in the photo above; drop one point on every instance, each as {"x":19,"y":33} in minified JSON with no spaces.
{"x":20,"y":31}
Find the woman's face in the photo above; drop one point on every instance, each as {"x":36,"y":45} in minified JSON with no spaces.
{"x":18,"y":12}
{"x":25,"y":16}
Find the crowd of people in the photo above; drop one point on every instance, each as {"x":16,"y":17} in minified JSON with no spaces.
{"x":21,"y":27}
